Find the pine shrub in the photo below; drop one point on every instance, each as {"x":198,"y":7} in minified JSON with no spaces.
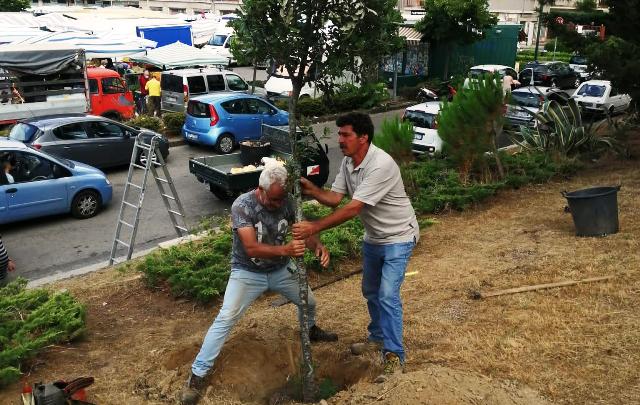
{"x":396,"y":138}
{"x":146,"y":121}
{"x":173,"y":121}
{"x":31,"y":320}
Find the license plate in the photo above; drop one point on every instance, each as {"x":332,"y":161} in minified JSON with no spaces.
{"x":172,"y":99}
{"x":418,"y":137}
{"x":191,"y":136}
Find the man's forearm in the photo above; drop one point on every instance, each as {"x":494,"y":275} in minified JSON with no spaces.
{"x":339,"y":216}
{"x":264,"y":251}
{"x":327,"y":197}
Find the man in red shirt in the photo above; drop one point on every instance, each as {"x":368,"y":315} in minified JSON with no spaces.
{"x":142,"y":100}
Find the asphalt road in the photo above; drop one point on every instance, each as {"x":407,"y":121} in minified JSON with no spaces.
{"x":54,"y":245}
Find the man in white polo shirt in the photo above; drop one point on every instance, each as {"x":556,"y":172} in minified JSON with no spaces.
{"x":372,"y":179}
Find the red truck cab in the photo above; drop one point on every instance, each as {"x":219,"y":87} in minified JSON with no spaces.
{"x":109,"y":95}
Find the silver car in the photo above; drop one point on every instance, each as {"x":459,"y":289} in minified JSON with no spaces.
{"x":96,"y":141}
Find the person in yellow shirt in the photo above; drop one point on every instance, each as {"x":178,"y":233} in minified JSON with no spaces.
{"x":153,"y":89}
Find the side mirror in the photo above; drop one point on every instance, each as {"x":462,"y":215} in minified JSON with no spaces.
{"x":127,"y":134}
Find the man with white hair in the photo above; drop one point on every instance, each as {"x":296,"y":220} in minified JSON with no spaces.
{"x":260,"y":262}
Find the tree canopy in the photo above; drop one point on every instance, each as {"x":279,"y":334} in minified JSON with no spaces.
{"x":14,"y":5}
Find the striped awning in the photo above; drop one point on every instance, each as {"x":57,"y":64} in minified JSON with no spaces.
{"x":410,"y":35}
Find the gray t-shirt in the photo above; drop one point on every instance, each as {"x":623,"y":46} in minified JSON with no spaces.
{"x":387,"y":215}
{"x":271,"y":228}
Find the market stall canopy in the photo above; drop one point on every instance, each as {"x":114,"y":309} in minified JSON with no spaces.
{"x":411,"y":36}
{"x":179,"y":55}
{"x":104,"y":46}
{"x":42,"y":59}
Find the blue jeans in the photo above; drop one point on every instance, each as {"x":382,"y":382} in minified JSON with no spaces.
{"x":383,"y":272}
{"x":242,"y":289}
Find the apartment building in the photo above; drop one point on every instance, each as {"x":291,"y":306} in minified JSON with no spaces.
{"x":165,"y":6}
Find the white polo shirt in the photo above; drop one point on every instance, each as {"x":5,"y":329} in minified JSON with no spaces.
{"x":387,"y":215}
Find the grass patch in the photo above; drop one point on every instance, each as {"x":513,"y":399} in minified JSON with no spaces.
{"x":31,"y":320}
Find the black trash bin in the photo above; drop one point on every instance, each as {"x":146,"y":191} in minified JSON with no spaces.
{"x":251,"y":152}
{"x":594,"y":210}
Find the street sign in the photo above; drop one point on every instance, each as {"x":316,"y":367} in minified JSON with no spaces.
{"x":418,"y":12}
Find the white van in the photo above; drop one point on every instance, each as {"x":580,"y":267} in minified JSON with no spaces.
{"x":180,"y":85}
{"x":424,"y":118}
{"x":220,"y":44}
{"x":279,"y":86}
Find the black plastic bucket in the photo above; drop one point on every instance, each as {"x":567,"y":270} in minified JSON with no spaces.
{"x":251,"y":152}
{"x":594,"y":210}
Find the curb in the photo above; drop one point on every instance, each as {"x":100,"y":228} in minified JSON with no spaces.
{"x":105,"y":264}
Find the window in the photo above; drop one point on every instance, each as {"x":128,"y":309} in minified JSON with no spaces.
{"x":215,"y":82}
{"x":71,"y":131}
{"x":101,"y":129}
{"x":171,"y":83}
{"x":614,"y":92}
{"x":93,"y":86}
{"x":23,"y":132}
{"x":591,"y":90}
{"x":217,"y":40}
{"x":236,"y":83}
{"x":196,"y":85}
{"x":257,"y":107}
{"x":112,"y":85}
{"x":236,"y":106}
{"x":30,"y":167}
{"x":421,"y":119}
{"x":198,"y":109}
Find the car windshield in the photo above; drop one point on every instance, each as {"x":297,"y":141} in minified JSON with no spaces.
{"x":23,"y":132}
{"x":420,"y":119}
{"x":536,"y":67}
{"x":592,"y":90}
{"x":217,"y":40}
{"x":578,"y":60}
{"x":476,"y":73}
{"x":525,"y":99}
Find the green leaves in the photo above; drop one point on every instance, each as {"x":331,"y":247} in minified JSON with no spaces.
{"x":396,"y":138}
{"x":33,"y":319}
{"x":455,"y":21}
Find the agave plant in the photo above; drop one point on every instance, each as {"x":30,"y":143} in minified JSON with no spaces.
{"x":560,"y":131}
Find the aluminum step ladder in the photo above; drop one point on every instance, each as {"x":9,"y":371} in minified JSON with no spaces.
{"x":129,"y":216}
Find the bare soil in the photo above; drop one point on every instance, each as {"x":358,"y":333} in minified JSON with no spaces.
{"x":568,"y":345}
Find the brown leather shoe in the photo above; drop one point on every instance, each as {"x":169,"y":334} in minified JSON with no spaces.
{"x":193,"y":391}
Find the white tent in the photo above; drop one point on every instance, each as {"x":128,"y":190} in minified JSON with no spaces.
{"x":94,"y":46}
{"x":178,"y":55}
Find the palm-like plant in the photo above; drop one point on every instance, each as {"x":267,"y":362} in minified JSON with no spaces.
{"x":560,"y":132}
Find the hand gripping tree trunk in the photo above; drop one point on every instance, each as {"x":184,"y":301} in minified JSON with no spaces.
{"x":308,"y":380}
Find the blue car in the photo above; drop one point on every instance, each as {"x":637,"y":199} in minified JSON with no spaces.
{"x":225,"y":119}
{"x":35,"y":184}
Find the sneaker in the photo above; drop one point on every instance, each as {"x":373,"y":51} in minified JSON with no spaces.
{"x":193,"y":391}
{"x":318,"y":335}
{"x":392,"y":366}
{"x":370,"y":346}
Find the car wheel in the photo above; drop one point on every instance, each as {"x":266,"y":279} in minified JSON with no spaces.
{"x":576,"y":84}
{"x":304,"y":97}
{"x":142,"y":158}
{"x":86,"y":204}
{"x":225,"y":144}
{"x":222,"y":194}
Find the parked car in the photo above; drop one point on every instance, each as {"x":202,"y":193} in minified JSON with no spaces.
{"x":599,"y":96}
{"x":424,"y":118}
{"x":40,"y":184}
{"x":527,"y":101}
{"x":224,"y":119}
{"x":477,"y":71}
{"x":550,"y":74}
{"x":279,"y":87}
{"x":109,"y":95}
{"x":89,"y":139}
{"x":581,"y":66}
{"x":178,"y":86}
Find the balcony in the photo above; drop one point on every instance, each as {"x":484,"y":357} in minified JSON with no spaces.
{"x":412,"y":4}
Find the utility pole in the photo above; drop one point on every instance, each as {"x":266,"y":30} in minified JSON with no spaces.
{"x":535,"y":56}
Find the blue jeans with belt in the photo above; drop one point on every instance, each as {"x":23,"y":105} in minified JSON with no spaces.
{"x":243,"y":288}
{"x":383,"y":273}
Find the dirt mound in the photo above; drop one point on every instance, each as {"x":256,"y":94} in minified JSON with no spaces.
{"x":439,"y":386}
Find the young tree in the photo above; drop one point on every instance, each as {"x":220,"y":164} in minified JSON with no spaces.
{"x":455,"y":22}
{"x":312,"y":40}
{"x":469,"y":124}
{"x":541,"y":4}
{"x":14,"y":5}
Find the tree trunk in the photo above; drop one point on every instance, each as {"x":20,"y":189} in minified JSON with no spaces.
{"x":495,"y":149}
{"x":308,"y":381}
{"x":445,"y":75}
{"x":253,"y":83}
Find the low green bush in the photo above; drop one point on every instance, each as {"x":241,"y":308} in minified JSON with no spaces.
{"x":32,"y":319}
{"x":173,"y":121}
{"x":200,"y":270}
{"x":349,"y":97}
{"x":146,"y":121}
{"x":396,"y":138}
{"x":311,"y":107}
